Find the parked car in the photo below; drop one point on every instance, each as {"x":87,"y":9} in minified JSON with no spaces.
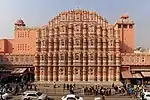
{"x":71,"y":97}
{"x":145,"y":96}
{"x":97,"y":98}
{"x":4,"y":96}
{"x":34,"y":95}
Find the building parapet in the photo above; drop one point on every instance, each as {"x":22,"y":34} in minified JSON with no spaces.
{"x":135,"y":59}
{"x":11,"y":59}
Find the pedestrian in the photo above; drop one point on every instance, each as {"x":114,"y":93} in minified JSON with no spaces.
{"x":64,"y":86}
{"x":113,"y":85}
{"x":35,"y":88}
{"x":67,"y":86}
{"x":74,"y":85}
{"x":30,"y":86}
{"x":16,"y":90}
{"x":135,"y":94}
{"x":54,"y":85}
{"x":1,"y":97}
{"x":103,"y":97}
{"x":142,"y":96}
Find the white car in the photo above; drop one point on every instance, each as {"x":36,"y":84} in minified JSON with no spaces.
{"x":146,"y":96}
{"x":4,"y":96}
{"x":34,"y":95}
{"x":71,"y":97}
{"x":97,"y":98}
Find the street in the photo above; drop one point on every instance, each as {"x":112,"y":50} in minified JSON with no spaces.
{"x":57,"y":93}
{"x":85,"y":98}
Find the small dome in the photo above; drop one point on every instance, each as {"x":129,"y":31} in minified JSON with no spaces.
{"x":20,"y":23}
{"x":124,"y":16}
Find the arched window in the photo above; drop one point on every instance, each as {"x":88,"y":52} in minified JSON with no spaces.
{"x":77,"y":42}
{"x":62,"y":29}
{"x":85,"y":16}
{"x":77,"y":28}
{"x":111,"y":42}
{"x":91,"y":56}
{"x":63,"y":17}
{"x":92,"y":29}
{"x":62,"y":42}
{"x":77,"y":16}
{"x":16,"y":59}
{"x":92,"y":17}
{"x":137,"y":59}
{"x":77,"y":57}
{"x":61,"y":57}
{"x":92,"y":42}
{"x":111,"y":57}
{"x":42,"y":57}
{"x":143,"y":59}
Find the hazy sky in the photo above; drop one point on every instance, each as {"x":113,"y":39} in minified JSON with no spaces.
{"x":39,"y":12}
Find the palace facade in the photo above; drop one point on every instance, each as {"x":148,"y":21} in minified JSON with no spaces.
{"x":76,"y":45}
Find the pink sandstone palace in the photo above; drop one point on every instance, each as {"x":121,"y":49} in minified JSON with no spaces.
{"x":76,"y":45}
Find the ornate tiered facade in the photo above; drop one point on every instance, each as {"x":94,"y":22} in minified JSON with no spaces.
{"x":77,"y":45}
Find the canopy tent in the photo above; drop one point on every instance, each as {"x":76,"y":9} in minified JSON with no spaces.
{"x":126,"y":74}
{"x":136,"y":75}
{"x":129,"y":75}
{"x":18,"y":70}
{"x":145,"y":74}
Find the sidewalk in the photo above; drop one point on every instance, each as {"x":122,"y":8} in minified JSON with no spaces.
{"x":77,"y":84}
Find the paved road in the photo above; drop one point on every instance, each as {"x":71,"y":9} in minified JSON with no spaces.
{"x":85,"y":98}
{"x":57,"y":93}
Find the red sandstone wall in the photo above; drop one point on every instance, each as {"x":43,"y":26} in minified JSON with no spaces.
{"x":6,"y":45}
{"x":24,"y":42}
{"x":2,"y":45}
{"x":128,"y":39}
{"x":135,"y":59}
{"x":9,"y":44}
{"x":126,"y":31}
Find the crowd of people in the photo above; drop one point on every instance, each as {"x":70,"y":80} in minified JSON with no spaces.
{"x":96,"y":90}
{"x":17,"y":88}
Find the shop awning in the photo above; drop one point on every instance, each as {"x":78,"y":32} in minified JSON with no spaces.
{"x":145,"y":74}
{"x":126,"y":74}
{"x":137,"y":75}
{"x":18,"y":70}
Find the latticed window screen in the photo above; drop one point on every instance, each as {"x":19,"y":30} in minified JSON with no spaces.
{"x":76,"y":56}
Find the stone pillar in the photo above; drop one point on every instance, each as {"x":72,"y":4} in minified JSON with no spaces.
{"x":37,"y":73}
{"x":113,"y":73}
{"x":54,"y":73}
{"x":104,"y":73}
{"x":74,"y":74}
{"x":41,"y":74}
{"x":109,"y":73}
{"x":50,"y":74}
{"x":104,"y":58}
{"x":70,"y":74}
{"x":65,"y":74}
{"x":45,"y":72}
{"x":89,"y":74}
{"x":117,"y":73}
{"x":84,"y":73}
{"x":99,"y":76}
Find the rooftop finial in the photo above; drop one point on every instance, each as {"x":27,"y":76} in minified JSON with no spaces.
{"x":78,"y":7}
